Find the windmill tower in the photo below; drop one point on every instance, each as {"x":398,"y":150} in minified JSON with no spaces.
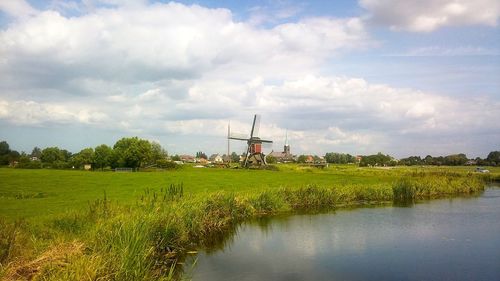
{"x":254,"y":155}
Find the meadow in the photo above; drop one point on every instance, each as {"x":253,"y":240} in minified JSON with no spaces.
{"x":75,"y":225}
{"x":33,"y":193}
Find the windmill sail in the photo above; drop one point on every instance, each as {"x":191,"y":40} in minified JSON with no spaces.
{"x":255,"y":126}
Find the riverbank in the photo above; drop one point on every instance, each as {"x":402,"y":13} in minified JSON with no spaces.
{"x":144,"y":240}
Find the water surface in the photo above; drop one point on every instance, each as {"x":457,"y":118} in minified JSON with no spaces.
{"x":445,"y":239}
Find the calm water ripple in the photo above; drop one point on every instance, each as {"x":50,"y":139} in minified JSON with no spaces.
{"x":446,"y":239}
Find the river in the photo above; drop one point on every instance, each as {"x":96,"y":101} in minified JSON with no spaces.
{"x":444,"y":239}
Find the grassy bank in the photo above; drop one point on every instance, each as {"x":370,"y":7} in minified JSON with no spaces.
{"x":144,"y":238}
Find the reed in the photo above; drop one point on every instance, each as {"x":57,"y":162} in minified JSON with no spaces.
{"x":431,"y":185}
{"x":308,"y":197}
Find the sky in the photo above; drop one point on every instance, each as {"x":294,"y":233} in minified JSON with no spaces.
{"x":413,"y":77}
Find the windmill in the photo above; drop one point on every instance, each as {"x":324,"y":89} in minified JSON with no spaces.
{"x":254,"y":155}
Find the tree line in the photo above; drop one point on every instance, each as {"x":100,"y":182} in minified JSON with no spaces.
{"x":380,"y":159}
{"x":493,"y":159}
{"x":134,"y":152}
{"x":127,"y":152}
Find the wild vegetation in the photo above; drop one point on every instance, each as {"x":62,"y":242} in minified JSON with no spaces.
{"x":139,"y":226}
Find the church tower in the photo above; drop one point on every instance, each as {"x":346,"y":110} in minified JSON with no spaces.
{"x":286,"y":148}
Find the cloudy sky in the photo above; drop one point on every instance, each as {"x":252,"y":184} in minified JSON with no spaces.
{"x":412,"y":77}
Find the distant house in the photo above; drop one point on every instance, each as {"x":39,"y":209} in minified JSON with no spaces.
{"x":321,"y":160}
{"x":187,"y":158}
{"x":309,"y":159}
{"x":358,"y":158}
{"x":201,"y":161}
{"x":282,"y":157}
{"x":226,"y":158}
{"x":285,"y":156}
{"x":87,"y":167}
{"x":216,"y":159}
{"x":471,"y":163}
{"x":276,"y":154}
{"x":34,"y":158}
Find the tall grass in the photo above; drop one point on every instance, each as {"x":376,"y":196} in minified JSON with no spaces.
{"x":148,"y":239}
{"x":420,"y":185}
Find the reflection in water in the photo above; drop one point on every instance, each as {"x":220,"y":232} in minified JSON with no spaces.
{"x":448,"y":239}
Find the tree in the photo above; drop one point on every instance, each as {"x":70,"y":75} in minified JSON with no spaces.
{"x":429,"y":160}
{"x":13,"y":156}
{"x":132,"y":152}
{"x":85,"y":156}
{"x":493,"y":158}
{"x":302,"y":159}
{"x":412,"y":160}
{"x":201,"y":154}
{"x":176,"y":158}
{"x":4,"y":148}
{"x":26,"y":163}
{"x":50,"y":155}
{"x":36,"y":152}
{"x":157,"y":152}
{"x":66,"y":155}
{"x":455,"y":159}
{"x":55,"y":157}
{"x":102,"y":156}
{"x":339,"y":158}
{"x":4,"y":153}
{"x":378,"y":159}
{"x":235,"y":157}
{"x":271,"y":159}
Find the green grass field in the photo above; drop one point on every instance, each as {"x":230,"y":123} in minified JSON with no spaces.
{"x":31,"y":193}
{"x":58,"y":225}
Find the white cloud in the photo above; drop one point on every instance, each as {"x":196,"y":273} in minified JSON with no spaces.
{"x":164,"y":41}
{"x":322,"y":35}
{"x":429,"y":15}
{"x":17,"y":8}
{"x":4,"y":109}
{"x":421,"y":110}
{"x":21,"y":112}
{"x":321,"y":113}
{"x":274,"y":12}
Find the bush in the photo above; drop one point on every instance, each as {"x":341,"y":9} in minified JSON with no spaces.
{"x":270,"y":168}
{"x":165,"y":164}
{"x":29,"y":165}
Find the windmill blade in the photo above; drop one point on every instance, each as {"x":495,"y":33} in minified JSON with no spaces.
{"x":255,"y":126}
{"x":246,"y":156}
{"x":241,"y":139}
